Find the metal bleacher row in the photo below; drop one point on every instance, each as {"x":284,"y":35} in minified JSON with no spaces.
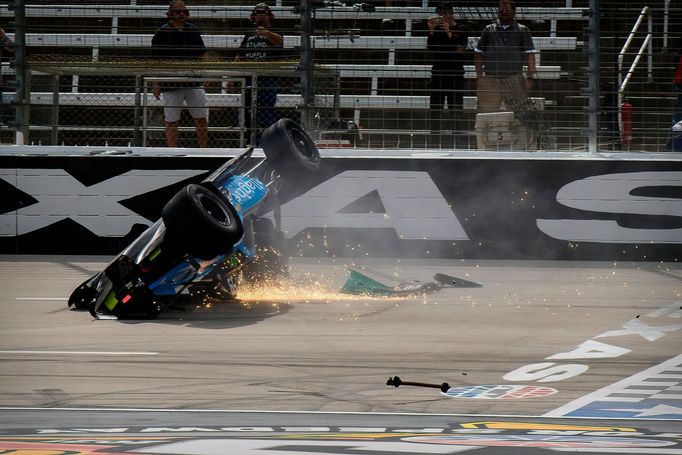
{"x":372,"y":71}
{"x":111,"y":39}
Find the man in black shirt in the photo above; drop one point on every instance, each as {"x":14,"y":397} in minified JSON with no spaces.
{"x":675,"y":142}
{"x":261,"y":45}
{"x":179,"y":39}
{"x":5,"y":49}
{"x":446,"y":43}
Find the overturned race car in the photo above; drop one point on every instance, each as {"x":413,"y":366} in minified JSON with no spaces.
{"x":210,"y":234}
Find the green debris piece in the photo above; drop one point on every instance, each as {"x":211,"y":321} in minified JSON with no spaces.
{"x":361,"y":284}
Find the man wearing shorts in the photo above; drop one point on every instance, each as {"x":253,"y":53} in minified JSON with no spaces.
{"x":179,"y":39}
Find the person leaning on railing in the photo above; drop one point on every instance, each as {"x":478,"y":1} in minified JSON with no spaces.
{"x":502,"y":50}
{"x":179,"y":39}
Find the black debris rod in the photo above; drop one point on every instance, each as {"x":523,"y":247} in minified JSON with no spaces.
{"x":395,"y":381}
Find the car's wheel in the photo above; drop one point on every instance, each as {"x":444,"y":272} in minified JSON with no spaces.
{"x":200,"y":222}
{"x":290,"y":149}
{"x":83,"y":296}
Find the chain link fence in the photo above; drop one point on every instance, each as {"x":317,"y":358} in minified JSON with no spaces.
{"x":111,"y":103}
{"x":373,"y":76}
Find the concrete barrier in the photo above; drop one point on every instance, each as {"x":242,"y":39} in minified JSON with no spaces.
{"x":394,"y":203}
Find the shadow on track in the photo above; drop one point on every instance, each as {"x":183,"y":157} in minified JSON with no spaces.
{"x":213,"y":314}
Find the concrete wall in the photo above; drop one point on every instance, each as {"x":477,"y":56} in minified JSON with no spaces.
{"x":396,"y":203}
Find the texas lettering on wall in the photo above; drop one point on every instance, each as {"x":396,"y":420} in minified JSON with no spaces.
{"x":533,"y":209}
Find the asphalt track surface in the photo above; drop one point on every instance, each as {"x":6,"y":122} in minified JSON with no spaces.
{"x":562,"y":356}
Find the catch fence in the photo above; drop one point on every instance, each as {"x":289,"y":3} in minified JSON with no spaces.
{"x":357,"y":74}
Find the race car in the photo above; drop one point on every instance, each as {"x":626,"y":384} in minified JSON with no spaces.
{"x":210,"y":235}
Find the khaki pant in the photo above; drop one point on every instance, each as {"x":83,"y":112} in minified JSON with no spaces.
{"x":492,"y":92}
{"x":502,"y":95}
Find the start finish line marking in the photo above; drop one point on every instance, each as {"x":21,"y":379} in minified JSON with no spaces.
{"x":80,"y":352}
{"x":653,"y":393}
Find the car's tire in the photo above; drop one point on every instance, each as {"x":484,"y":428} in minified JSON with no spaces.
{"x":200,"y":222}
{"x":83,"y":296}
{"x":290,"y":150}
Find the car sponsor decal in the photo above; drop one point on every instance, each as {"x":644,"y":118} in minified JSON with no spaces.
{"x":499,"y":392}
{"x":245,"y":192}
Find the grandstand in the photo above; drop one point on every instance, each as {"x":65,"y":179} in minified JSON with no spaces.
{"x":89,"y":72}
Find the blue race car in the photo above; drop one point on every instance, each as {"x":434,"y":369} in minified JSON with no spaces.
{"x":210,"y":234}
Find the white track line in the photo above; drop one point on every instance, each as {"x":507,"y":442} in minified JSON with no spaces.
{"x":254,"y":411}
{"x":620,"y":386}
{"x":81,"y":352}
{"x":42,"y":298}
{"x":627,"y":450}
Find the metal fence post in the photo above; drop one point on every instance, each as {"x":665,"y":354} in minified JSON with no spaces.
{"x":21,"y":113}
{"x":54,"y":113}
{"x":137,"y":113}
{"x":592,"y":91}
{"x":306,"y":68}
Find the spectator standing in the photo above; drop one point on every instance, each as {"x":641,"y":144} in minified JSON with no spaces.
{"x":673,"y":142}
{"x":503,"y":48}
{"x":446,"y":43}
{"x":180,"y":40}
{"x":261,"y":45}
{"x":5,"y":49}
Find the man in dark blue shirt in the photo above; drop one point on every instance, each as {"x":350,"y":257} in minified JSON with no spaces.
{"x":180,"y":40}
{"x":261,"y":45}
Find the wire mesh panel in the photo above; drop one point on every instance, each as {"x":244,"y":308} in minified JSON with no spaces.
{"x":384,"y":74}
{"x":112,"y":103}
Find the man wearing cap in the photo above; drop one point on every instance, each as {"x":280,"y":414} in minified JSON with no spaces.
{"x":261,"y":45}
{"x":180,"y":40}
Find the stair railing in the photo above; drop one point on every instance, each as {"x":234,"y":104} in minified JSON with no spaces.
{"x":623,"y":81}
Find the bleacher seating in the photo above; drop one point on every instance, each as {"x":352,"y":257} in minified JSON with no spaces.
{"x":359,"y":102}
{"x":110,"y":40}
{"x":223,"y":12}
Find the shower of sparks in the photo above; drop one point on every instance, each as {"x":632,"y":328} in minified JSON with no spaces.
{"x":298,"y":290}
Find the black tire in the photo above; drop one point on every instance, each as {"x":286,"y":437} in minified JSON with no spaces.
{"x":83,"y":296}
{"x":200,"y":222}
{"x":290,"y":150}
